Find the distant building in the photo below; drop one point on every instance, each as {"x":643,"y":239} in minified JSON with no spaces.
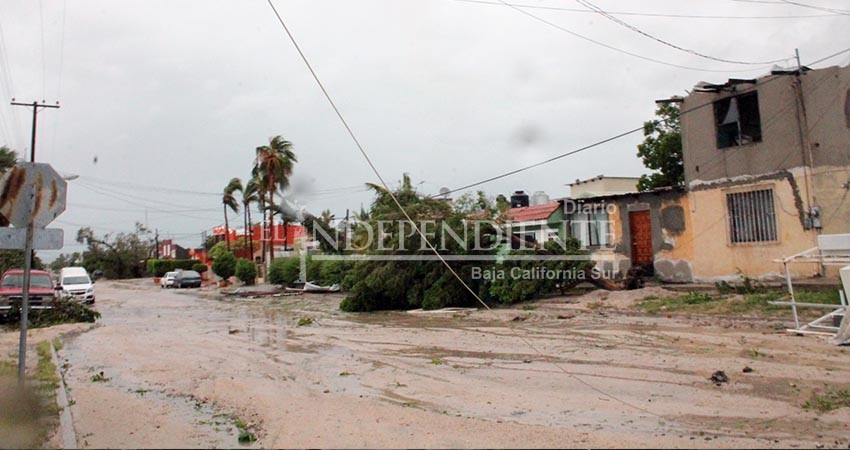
{"x":602,"y":185}
{"x":169,"y":250}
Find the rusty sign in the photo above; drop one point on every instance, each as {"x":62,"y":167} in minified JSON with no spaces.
{"x":32,"y":191}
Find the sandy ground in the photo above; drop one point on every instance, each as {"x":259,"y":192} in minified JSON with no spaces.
{"x":181,"y":367}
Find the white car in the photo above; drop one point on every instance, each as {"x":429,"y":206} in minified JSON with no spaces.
{"x":167,"y":280}
{"x":75,"y":282}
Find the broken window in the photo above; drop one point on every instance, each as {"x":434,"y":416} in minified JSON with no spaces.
{"x":737,"y":120}
{"x":751,"y":216}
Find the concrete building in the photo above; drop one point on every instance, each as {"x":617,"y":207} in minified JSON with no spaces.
{"x":602,"y":185}
{"x":767,"y":168}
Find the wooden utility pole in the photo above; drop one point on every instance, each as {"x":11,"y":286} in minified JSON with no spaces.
{"x":34,"y":106}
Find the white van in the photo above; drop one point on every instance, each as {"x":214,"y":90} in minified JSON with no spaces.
{"x":75,"y":282}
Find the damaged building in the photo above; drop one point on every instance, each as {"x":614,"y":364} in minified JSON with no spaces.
{"x":767,"y":170}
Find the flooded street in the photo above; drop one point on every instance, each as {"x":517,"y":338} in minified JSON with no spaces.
{"x":187,"y":368}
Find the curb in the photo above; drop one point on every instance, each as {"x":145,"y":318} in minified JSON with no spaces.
{"x":66,"y":421}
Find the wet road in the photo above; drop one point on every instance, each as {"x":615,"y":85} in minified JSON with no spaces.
{"x":189,"y":369}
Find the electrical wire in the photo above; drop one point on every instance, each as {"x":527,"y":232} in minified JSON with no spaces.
{"x":401,"y":208}
{"x":43,"y":54}
{"x":546,"y":161}
{"x":611,"y":47}
{"x":681,"y":113}
{"x":55,"y":124}
{"x":9,"y":87}
{"x":843,"y":12}
{"x":607,"y":15}
{"x":663,"y":15}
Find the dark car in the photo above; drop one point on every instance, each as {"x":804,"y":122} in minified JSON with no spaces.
{"x":42,"y":291}
{"x":187,"y":279}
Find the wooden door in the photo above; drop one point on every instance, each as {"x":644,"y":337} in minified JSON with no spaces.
{"x":640,"y":229}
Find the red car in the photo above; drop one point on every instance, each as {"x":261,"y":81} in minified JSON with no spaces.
{"x":42,"y":291}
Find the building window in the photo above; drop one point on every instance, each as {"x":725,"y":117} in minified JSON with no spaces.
{"x":751,"y":216}
{"x":737,"y":120}
{"x":590,"y":229}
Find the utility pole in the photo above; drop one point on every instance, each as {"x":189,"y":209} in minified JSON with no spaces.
{"x":28,"y":252}
{"x":34,"y":106}
{"x":156,"y":241}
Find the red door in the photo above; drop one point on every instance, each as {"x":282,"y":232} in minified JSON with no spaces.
{"x":640,"y":229}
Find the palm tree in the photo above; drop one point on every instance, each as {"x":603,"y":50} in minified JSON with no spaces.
{"x":259,"y":180}
{"x":275,"y":161}
{"x":250,"y":195}
{"x":228,"y":200}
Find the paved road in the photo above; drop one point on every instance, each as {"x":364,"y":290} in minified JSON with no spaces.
{"x":188,"y":369}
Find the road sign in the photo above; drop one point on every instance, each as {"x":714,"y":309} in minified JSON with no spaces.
{"x":32,"y":193}
{"x":43,"y":238}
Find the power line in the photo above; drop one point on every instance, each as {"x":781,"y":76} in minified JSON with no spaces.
{"x":596,"y":144}
{"x":43,"y":55}
{"x":9,"y":87}
{"x":843,"y":12}
{"x":419,"y":231}
{"x":546,"y":161}
{"x":663,"y":15}
{"x":605,"y":14}
{"x":611,"y":47}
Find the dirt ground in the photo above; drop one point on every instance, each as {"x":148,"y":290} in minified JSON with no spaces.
{"x":193,"y":369}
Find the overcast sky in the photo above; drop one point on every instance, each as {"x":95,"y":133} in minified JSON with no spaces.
{"x":178,"y":94}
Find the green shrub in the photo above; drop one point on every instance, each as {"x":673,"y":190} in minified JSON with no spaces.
{"x":284,"y":270}
{"x":246,"y":271}
{"x":183,"y":264}
{"x":333,"y":271}
{"x":200,"y":268}
{"x":225,"y":265}
{"x":63,"y":311}
{"x":158,"y":267}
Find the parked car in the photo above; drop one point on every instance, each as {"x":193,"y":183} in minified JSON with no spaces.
{"x":75,"y":282}
{"x":167,"y":280}
{"x":187,"y":279}
{"x":42,"y":291}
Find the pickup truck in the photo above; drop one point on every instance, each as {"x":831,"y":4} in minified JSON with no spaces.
{"x":42,"y":291}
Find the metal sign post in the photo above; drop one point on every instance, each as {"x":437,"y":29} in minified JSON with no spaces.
{"x":25,"y":303}
{"x":31,"y":196}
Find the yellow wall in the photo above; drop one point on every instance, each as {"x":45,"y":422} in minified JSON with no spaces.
{"x":715,"y":257}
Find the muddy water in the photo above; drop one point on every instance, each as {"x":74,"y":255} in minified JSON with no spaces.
{"x":182,"y":368}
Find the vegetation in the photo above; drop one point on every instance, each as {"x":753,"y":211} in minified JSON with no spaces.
{"x":225,"y":265}
{"x":228,"y":201}
{"x":120,"y":256}
{"x":63,"y":311}
{"x":200,"y":268}
{"x":753,"y":303}
{"x":246,"y":271}
{"x":8,"y":158}
{"x":831,"y":400}
{"x":159,"y":267}
{"x":69,"y":260}
{"x":405,"y":284}
{"x":272,"y":170}
{"x":14,"y":259}
{"x":284,"y":271}
{"x":661,"y":150}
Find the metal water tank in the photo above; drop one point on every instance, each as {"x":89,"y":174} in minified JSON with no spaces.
{"x":539,"y":198}
{"x":519,"y":199}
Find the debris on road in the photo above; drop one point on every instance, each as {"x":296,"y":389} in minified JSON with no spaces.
{"x":747,"y":369}
{"x":719,"y":377}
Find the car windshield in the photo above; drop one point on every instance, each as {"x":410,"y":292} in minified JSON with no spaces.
{"x":76,"y":280}
{"x":17,"y":280}
{"x":190,"y":274}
